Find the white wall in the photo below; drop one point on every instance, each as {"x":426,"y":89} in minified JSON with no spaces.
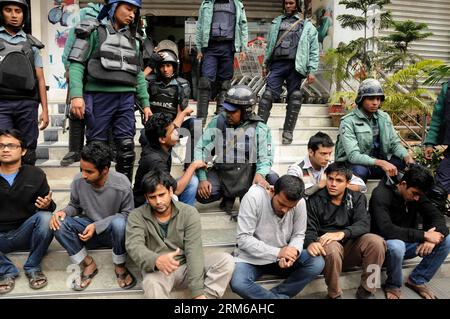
{"x":341,"y":34}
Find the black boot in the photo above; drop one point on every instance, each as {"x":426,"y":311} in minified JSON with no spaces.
{"x":293,"y":109}
{"x":125,"y":157}
{"x":204,"y":93}
{"x":265,"y":105}
{"x":223,"y":89}
{"x":76,"y":142}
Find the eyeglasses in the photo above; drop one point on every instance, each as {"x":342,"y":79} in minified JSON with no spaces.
{"x":10,"y":146}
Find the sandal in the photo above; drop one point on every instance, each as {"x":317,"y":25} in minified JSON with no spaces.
{"x":422,"y":290}
{"x":124,"y":276}
{"x":395,"y":292}
{"x":7,"y":284}
{"x":77,"y":284}
{"x":37,"y":280}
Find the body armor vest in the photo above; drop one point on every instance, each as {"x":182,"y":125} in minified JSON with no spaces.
{"x":223,"y":21}
{"x":17,"y":71}
{"x":163,"y":99}
{"x":444,"y":134}
{"x":116,"y":59}
{"x":287,"y":49}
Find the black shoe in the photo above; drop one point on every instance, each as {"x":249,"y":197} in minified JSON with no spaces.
{"x":227,"y":205}
{"x":70,"y":158}
{"x":362,"y":293}
{"x":287,"y":138}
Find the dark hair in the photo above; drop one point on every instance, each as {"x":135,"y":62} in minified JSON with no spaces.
{"x":98,"y":153}
{"x":156,"y":127}
{"x":292,"y":186}
{"x":318,"y":139}
{"x":156,"y":177}
{"x":341,"y":168}
{"x":419,"y":177}
{"x":14,"y":133}
{"x":298,"y":4}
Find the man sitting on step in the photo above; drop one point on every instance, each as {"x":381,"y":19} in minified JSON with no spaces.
{"x":367,"y":138}
{"x":100,"y":201}
{"x":164,"y":238}
{"x":270,"y":234}
{"x":242,"y":146}
{"x":312,"y":168}
{"x":26,"y":203}
{"x":338,"y":230}
{"x":398,"y":206}
{"x":162,"y":135}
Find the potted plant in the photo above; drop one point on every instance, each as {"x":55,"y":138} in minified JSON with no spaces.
{"x":339,"y":104}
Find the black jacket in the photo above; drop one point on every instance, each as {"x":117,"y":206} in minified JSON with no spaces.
{"x":151,"y":158}
{"x":351,"y":217}
{"x":393,"y":218}
{"x":17,"y":202}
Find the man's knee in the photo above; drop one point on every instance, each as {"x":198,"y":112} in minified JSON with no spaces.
{"x":396,"y":248}
{"x":118,"y":225}
{"x":43,"y":219}
{"x":374,"y":242}
{"x":361,"y":171}
{"x":192,"y":186}
{"x":445,"y":244}
{"x":334,"y":251}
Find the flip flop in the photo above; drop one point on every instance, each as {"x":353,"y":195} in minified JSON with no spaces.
{"x":396,"y":292}
{"x":9,"y":283}
{"x":422,"y":290}
{"x":37,"y":280}
{"x":76,"y":284}
{"x":124,"y":276}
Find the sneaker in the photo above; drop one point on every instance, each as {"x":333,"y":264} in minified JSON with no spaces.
{"x":362,"y":293}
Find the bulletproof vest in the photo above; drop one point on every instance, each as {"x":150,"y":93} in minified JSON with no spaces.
{"x":223,"y":21}
{"x":163,"y":99}
{"x":237,"y":156}
{"x":287,"y":49}
{"x":444,"y":134}
{"x":17,"y":71}
{"x":115,"y":59}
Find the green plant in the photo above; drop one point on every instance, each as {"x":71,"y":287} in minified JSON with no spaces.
{"x":344,"y":98}
{"x":437,"y":74}
{"x":433,"y":164}
{"x":335,"y":65}
{"x":396,"y":45}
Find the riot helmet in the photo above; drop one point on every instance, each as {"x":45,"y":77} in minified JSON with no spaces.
{"x":240,"y":96}
{"x":110,"y":3}
{"x":168,"y":51}
{"x":369,"y":87}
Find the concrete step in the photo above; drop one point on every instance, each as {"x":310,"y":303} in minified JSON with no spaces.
{"x":277,"y":108}
{"x":55,"y":134}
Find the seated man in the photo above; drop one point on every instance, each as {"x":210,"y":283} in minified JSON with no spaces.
{"x":338,"y":229}
{"x":100,"y":201}
{"x":164,"y":240}
{"x":26,"y":203}
{"x":395,"y":209}
{"x":312,"y":168}
{"x":162,"y":135}
{"x":367,"y":139}
{"x":270,"y":234}
{"x":242,"y":146}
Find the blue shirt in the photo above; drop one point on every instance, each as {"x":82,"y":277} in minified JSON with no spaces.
{"x":21,"y":36}
{"x":10,"y":177}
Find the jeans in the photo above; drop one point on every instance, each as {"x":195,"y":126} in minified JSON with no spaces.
{"x":305,"y":269}
{"x":113,"y":237}
{"x":190,"y":192}
{"x":366,"y":172}
{"x":398,"y":250}
{"x":281,"y":71}
{"x":34,"y":235}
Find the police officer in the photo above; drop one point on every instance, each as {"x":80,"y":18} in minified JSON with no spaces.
{"x":367,"y":139}
{"x":292,"y":54}
{"x":105,"y":72}
{"x":439,"y":134}
{"x":221,"y":31}
{"x":76,"y":125}
{"x":22,"y":82}
{"x":242,"y":147}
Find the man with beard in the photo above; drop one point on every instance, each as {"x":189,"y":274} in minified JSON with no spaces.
{"x":26,"y":203}
{"x":164,"y":240}
{"x":100,"y":201}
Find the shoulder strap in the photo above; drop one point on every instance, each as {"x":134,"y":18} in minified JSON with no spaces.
{"x":287,"y":32}
{"x":35,"y":42}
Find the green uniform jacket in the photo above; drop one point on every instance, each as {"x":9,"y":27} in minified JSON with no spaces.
{"x":354,"y":142}
{"x":437,"y":117}
{"x":205,"y":15}
{"x":77,"y":74}
{"x":307,"y":58}
{"x":90,"y":11}
{"x":264,"y":147}
{"x":145,"y":242}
